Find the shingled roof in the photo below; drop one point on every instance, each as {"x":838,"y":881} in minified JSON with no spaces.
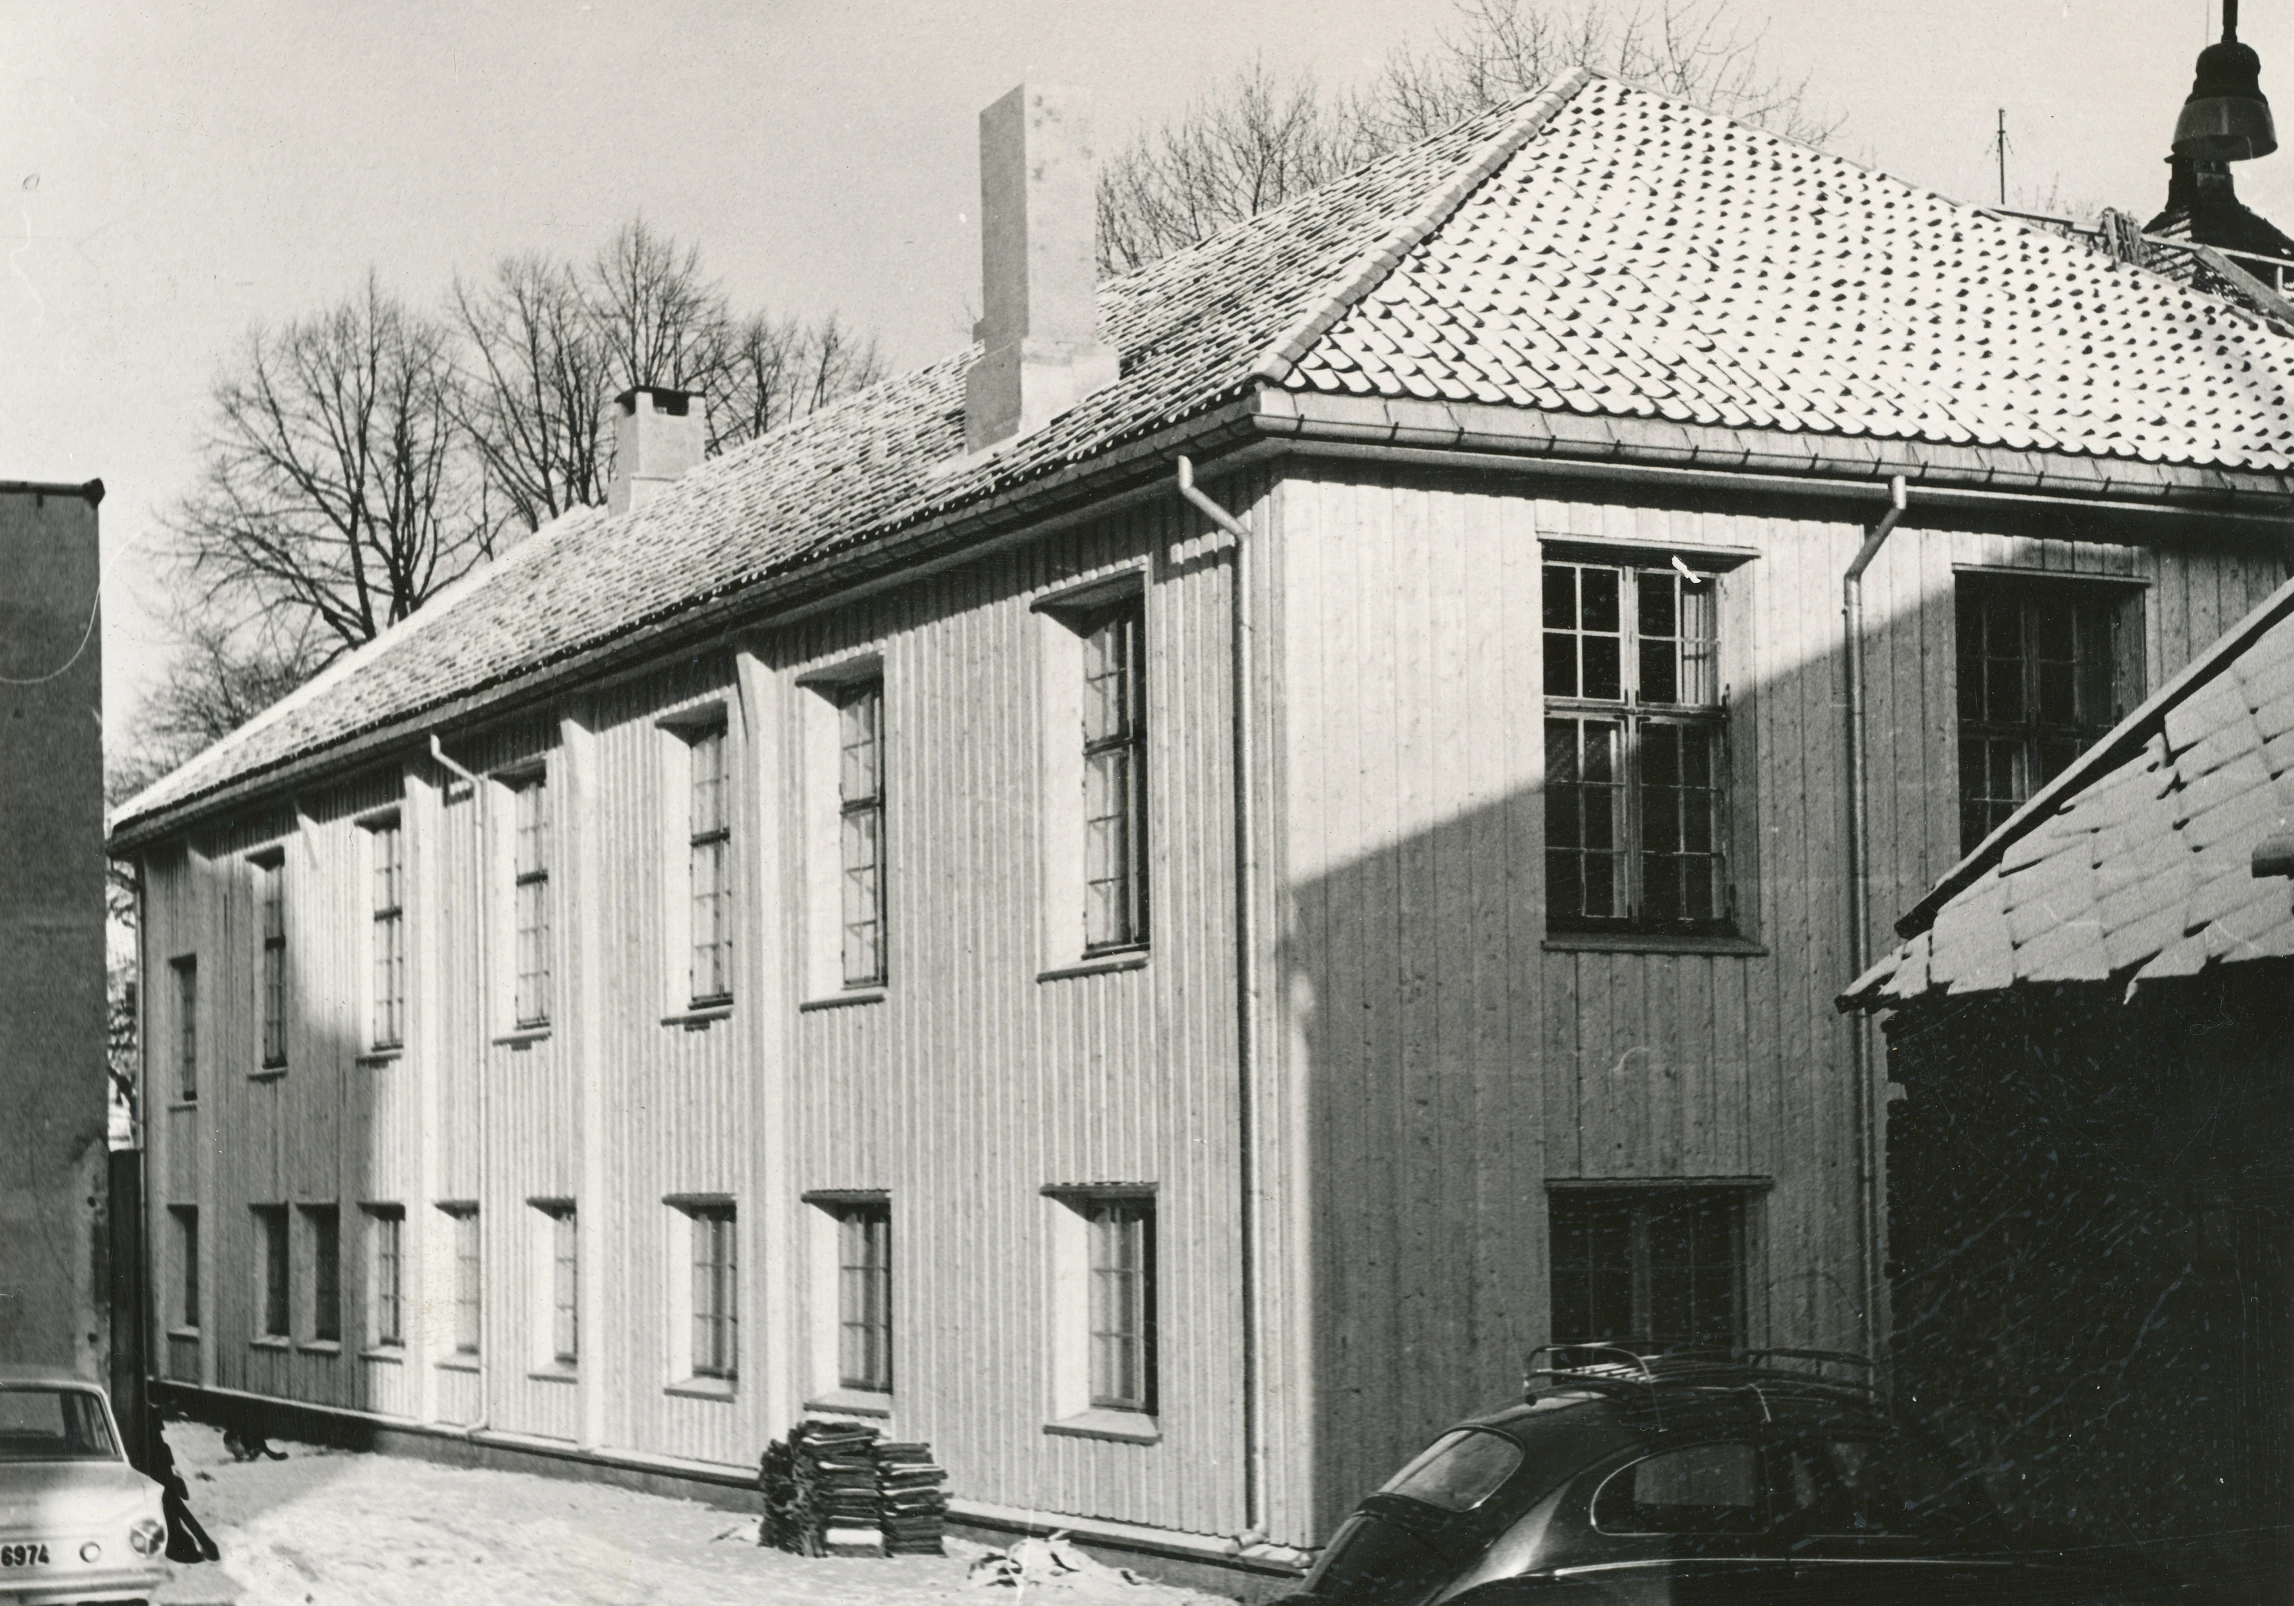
{"x":1598,"y":252}
{"x":2142,"y":867}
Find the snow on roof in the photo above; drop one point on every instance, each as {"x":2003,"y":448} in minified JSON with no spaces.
{"x":2142,"y":868}
{"x":1598,"y":249}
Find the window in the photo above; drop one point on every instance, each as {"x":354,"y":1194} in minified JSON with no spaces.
{"x":323,"y":1224}
{"x":469,"y":1284}
{"x":560,"y":1255}
{"x":2044,"y":670}
{"x":716,"y":1332}
{"x":1699,"y":1489}
{"x":271,"y":1244}
{"x":1458,"y":1471}
{"x":1115,"y":776}
{"x":186,"y":1028}
{"x":709,"y":868}
{"x":186,"y":1219}
{"x":1636,"y":762}
{"x":386,"y":1273}
{"x":386,"y":946}
{"x":530,"y":872}
{"x":860,"y":833}
{"x":1649,"y":1264}
{"x":864,"y":1296}
{"x":271,"y":907}
{"x":1122,"y":1233}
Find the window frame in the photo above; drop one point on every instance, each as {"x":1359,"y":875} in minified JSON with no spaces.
{"x":187,"y":1290}
{"x":386,"y":1276}
{"x":274,"y":1274}
{"x":864,"y":1295}
{"x":466,"y":1257}
{"x":557,"y":1264}
{"x":1645,"y":1200}
{"x":706,"y":1311}
{"x":322,"y":1230}
{"x":866,"y":806}
{"x":270,"y":869}
{"x":1079,"y":934}
{"x":1707,"y":709}
{"x":184,"y":968}
{"x":533,"y":968}
{"x":1123,"y":747}
{"x":708,"y":839}
{"x":386,"y":967}
{"x":2115,"y":680}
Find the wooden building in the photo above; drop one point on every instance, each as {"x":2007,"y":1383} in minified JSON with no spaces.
{"x":2094,"y":1213}
{"x":1166,"y":991}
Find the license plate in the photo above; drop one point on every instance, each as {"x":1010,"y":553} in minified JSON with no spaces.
{"x":23,"y":1555}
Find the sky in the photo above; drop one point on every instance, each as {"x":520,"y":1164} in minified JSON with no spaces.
{"x":180,"y":173}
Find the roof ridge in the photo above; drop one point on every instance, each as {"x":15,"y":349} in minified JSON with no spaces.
{"x":1275,"y":364}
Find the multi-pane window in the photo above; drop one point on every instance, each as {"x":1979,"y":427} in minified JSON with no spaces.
{"x":564,"y":1242}
{"x":1115,"y":777}
{"x":530,"y":870}
{"x":716,"y":1335}
{"x":1122,"y":1270}
{"x":1636,"y":762}
{"x":709,"y":858}
{"x":1649,"y":1264}
{"x":2039,"y":681}
{"x":864,"y":1296}
{"x":271,"y":1244}
{"x":324,"y":1224}
{"x":186,"y":1028}
{"x":271,"y":906}
{"x":860,"y":801}
{"x":386,"y":1303}
{"x":386,"y":942}
{"x":469,"y":1282}
{"x":186,"y":1219}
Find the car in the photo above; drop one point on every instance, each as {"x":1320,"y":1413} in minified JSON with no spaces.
{"x":77,"y":1522}
{"x":1646,"y":1475}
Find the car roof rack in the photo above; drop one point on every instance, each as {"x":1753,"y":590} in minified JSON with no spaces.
{"x":1639,"y":1368}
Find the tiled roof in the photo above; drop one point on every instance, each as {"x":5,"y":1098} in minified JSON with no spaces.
{"x":2146,"y":871}
{"x":1600,"y":250}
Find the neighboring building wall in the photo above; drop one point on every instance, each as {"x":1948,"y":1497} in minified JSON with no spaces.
{"x":52,"y":1039}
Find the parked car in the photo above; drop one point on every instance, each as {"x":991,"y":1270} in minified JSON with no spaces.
{"x":1635,"y":1476}
{"x":77,"y":1523}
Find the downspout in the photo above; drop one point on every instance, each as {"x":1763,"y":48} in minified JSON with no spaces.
{"x":1859,"y":1032}
{"x":485,"y":1338}
{"x":1246,"y":1007}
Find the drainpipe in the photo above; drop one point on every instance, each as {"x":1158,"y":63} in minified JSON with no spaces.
{"x":1246,"y":1007}
{"x":1860,"y":1042}
{"x":485,"y":1337}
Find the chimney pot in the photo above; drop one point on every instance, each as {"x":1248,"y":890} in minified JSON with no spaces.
{"x":1039,"y":261}
{"x":657,"y":437}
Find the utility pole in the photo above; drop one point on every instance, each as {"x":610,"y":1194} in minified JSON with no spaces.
{"x":2000,"y":143}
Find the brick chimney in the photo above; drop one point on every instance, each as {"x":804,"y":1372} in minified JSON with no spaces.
{"x":656,"y":438}
{"x":1039,"y":248}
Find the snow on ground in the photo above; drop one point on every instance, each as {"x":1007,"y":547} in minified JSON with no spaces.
{"x":334,"y":1528}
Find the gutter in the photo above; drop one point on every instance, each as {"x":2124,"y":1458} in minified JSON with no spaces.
{"x":1243,"y":670}
{"x":486,"y":1356}
{"x":1859,"y":904}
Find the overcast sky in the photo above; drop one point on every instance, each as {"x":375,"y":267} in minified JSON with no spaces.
{"x":179,"y":172}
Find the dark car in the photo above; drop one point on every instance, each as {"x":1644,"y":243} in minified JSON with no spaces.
{"x":1641,"y":1477}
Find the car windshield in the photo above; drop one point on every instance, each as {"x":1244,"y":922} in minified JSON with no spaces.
{"x":39,"y":1423}
{"x":1875,"y":1486}
{"x":1458,"y":1471}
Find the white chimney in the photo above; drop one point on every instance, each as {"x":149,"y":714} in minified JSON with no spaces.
{"x":656,"y":438}
{"x":1039,"y":248}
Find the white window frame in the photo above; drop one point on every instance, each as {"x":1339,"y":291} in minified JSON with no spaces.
{"x":507,"y":1008}
{"x":825,"y":1226}
{"x":1065,"y":619}
{"x":681,"y":733}
{"x":1074,"y":1406}
{"x":384,"y":1036}
{"x":386,"y":1303}
{"x":273,"y":1010}
{"x":184,"y":1047}
{"x":556,"y":1290}
{"x":826,"y":693}
{"x":689,"y":1373}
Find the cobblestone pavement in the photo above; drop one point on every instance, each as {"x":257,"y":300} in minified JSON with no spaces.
{"x":329,"y":1528}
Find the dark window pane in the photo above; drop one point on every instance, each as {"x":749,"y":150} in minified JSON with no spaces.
{"x":1660,"y":671}
{"x":1560,"y":664}
{"x":1599,"y":600}
{"x":1560,"y":597}
{"x":1657,"y":596}
{"x":1603,"y":675}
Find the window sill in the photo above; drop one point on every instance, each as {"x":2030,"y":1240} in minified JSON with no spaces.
{"x":320,"y":1346}
{"x":702,"y":1388}
{"x":852,"y":1402}
{"x":858,"y":995}
{"x":191,"y":1334}
{"x":553,"y":1374}
{"x":175,"y":1105}
{"x":383,"y":1056}
{"x":1097,"y":965}
{"x":700,"y":1017}
{"x":393,"y":1354}
{"x":522,"y":1037}
{"x":276,"y":1341}
{"x":460,"y":1363}
{"x":1651,"y":942}
{"x":1127,"y":1427}
{"x":267,"y":1073}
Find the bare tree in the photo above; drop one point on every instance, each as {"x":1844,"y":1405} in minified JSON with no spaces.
{"x":777,"y":370}
{"x":1262,"y":139}
{"x":334,"y":498}
{"x":534,"y":389}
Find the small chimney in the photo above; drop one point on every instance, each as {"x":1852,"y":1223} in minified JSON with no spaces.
{"x":1039,"y":249}
{"x":656,"y":438}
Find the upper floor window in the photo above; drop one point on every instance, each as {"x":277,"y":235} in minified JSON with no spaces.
{"x":530,"y":885}
{"x":186,"y":1027}
{"x":271,"y":908}
{"x":2045,"y":668}
{"x":1663,"y":1264}
{"x":709,"y":861}
{"x":860,"y":831}
{"x":386,"y":943}
{"x":1636,"y":750}
{"x":1115,"y":776}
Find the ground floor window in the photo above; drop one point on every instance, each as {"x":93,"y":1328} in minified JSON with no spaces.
{"x":323,"y":1225}
{"x":1651,"y":1264}
{"x":1122,"y":1237}
{"x":386,"y":1275}
{"x":558,"y":1254}
{"x":271,"y":1245}
{"x":864,"y":1296}
{"x":715,"y":1293}
{"x":186,"y":1219}
{"x":469,"y":1282}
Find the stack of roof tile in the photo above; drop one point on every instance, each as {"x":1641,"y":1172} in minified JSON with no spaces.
{"x":820,"y":1491}
{"x":913,"y":1496}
